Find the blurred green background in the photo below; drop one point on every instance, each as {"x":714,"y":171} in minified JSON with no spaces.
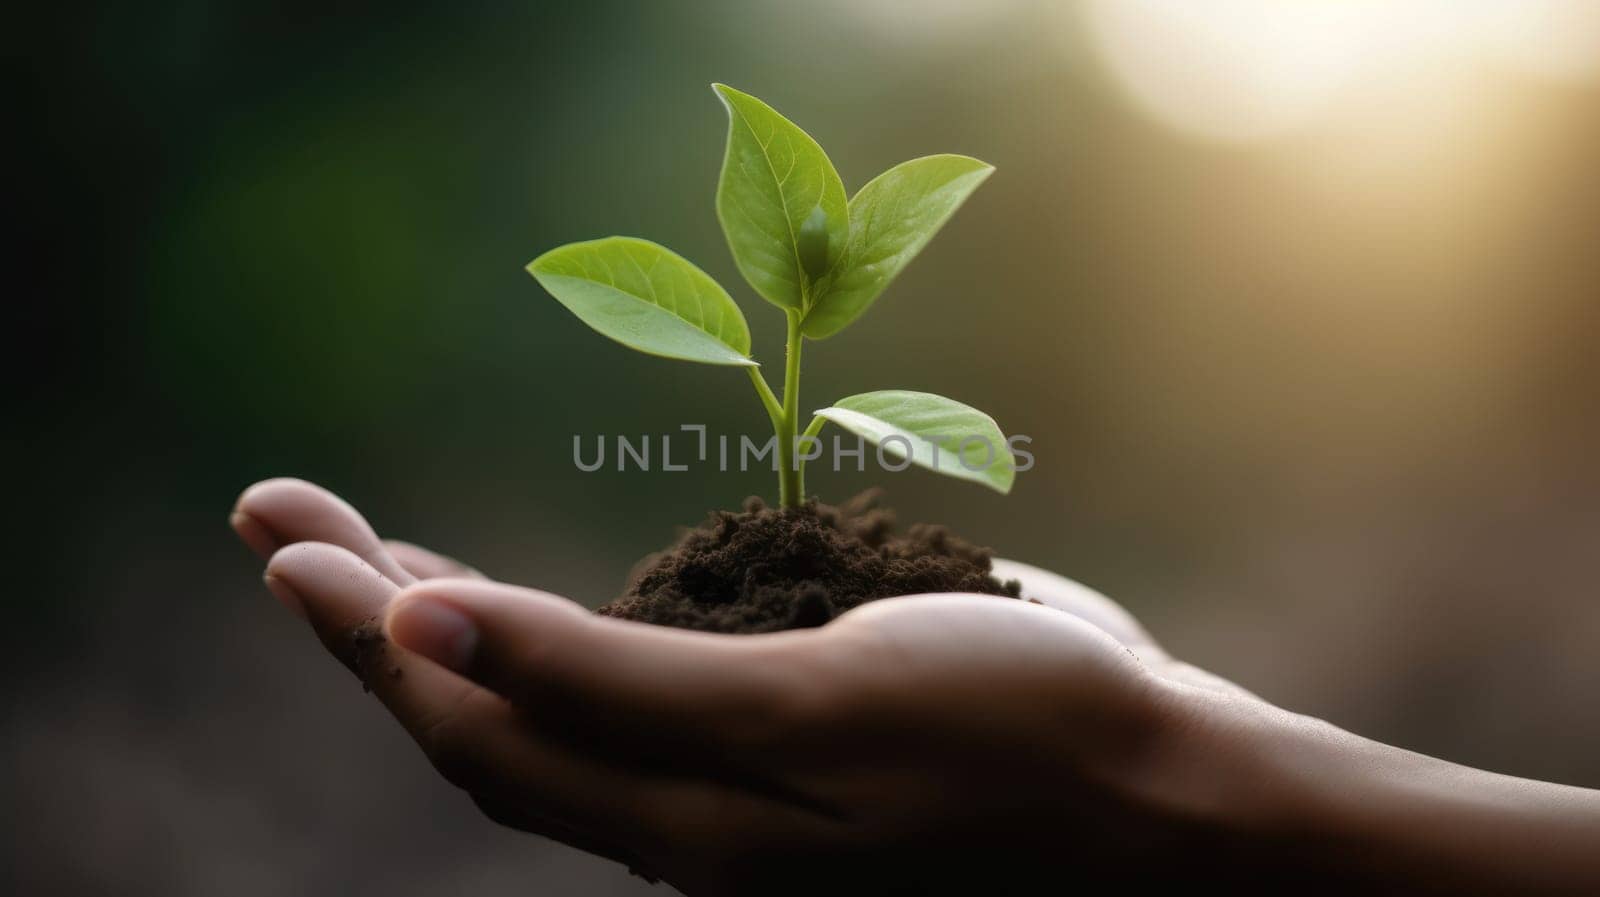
{"x":1299,"y":302}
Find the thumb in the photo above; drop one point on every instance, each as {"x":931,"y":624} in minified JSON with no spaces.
{"x":612,"y":677}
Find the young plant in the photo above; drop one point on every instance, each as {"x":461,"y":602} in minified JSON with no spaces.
{"x":823,"y":260}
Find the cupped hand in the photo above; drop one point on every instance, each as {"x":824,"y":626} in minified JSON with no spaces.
{"x":919,"y":744}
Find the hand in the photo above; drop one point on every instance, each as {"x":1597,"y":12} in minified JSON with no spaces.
{"x":922,"y":744}
{"x":705,"y":759}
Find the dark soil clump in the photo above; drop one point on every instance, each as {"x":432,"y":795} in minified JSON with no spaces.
{"x":366,"y":653}
{"x":766,"y":569}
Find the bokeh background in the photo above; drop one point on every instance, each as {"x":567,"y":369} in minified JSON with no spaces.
{"x":1300,"y":303}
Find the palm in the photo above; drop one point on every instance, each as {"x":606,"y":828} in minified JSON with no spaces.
{"x":691,"y":754}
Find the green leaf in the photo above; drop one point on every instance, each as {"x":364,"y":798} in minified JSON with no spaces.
{"x":891,"y":219}
{"x":944,"y":435}
{"x":774,"y":178}
{"x":648,"y":298}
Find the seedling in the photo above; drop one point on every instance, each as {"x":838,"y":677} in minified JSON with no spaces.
{"x":823,"y":260}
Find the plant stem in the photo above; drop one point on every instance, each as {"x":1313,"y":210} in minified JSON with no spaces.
{"x":791,"y":480}
{"x":768,"y":400}
{"x":817,"y":423}
{"x":805,"y":438}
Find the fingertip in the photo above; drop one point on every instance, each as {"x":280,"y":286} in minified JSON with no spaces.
{"x":285,"y":495}
{"x":428,"y":624}
{"x":297,"y":570}
{"x":285,"y":594}
{"x":265,"y":512}
{"x":261,"y":490}
{"x":289,"y":510}
{"x":344,"y":597}
{"x":315,"y":569}
{"x":255,"y":536}
{"x":486,"y":631}
{"x":299,"y":558}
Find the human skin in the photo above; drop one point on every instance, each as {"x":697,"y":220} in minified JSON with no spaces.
{"x":925,"y":744}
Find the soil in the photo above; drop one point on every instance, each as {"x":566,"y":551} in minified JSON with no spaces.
{"x":365,"y":653}
{"x":766,"y":569}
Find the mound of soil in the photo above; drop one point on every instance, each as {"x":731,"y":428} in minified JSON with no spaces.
{"x":765,"y":569}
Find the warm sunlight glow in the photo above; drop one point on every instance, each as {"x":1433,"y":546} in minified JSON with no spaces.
{"x":1246,"y":70}
{"x":1229,"y":69}
{"x":1558,"y":39}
